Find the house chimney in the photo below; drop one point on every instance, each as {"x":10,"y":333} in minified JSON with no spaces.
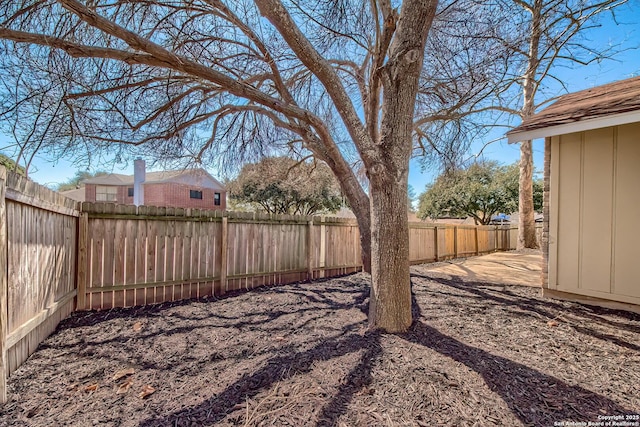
{"x":138,"y":179}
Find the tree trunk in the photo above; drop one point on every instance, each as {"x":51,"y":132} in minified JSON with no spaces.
{"x":361,"y":208}
{"x":386,"y":160}
{"x":365,"y":245}
{"x":351,"y":188}
{"x":390,"y":301}
{"x":364,"y":226}
{"x":527,"y":224}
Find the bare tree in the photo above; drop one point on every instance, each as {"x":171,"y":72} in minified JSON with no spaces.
{"x":204,"y":80}
{"x":544,"y":35}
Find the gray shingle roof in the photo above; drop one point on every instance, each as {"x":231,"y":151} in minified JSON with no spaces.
{"x":614,"y":98}
{"x":198,"y":177}
{"x":77,"y":194}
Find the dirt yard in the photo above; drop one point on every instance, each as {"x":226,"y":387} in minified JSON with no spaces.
{"x":480,"y":353}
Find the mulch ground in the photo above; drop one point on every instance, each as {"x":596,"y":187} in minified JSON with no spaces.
{"x":478,"y":354}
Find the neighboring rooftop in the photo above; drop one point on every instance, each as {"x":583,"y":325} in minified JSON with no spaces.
{"x":611,"y":104}
{"x":198,"y":177}
{"x":77,"y":194}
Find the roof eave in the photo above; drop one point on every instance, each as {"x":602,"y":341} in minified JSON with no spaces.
{"x":578,"y":126}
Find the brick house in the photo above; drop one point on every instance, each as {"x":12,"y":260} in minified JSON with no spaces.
{"x":190,"y":188}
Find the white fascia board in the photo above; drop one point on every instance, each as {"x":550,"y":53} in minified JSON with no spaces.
{"x":579,"y":126}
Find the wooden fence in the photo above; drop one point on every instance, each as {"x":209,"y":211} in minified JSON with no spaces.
{"x":149,"y":255}
{"x":38,"y":248}
{"x":59,"y":256}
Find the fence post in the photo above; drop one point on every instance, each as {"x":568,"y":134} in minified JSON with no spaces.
{"x":223,"y":254}
{"x":4,"y":311}
{"x":310,"y":250}
{"x":455,"y":241}
{"x":495,"y":239}
{"x":323,"y":246}
{"x":81,"y":260}
{"x":476,"y":238}
{"x":435,"y":242}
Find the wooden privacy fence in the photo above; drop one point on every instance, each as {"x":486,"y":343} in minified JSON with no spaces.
{"x":134,"y":256}
{"x":149,"y":254}
{"x":58,"y":256}
{"x":38,"y":250}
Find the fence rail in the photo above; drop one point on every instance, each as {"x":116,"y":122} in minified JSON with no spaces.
{"x":59,"y":256}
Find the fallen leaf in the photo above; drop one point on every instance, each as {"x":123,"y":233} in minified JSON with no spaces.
{"x":146,"y":391}
{"x":137,"y":327}
{"x":280,"y":338}
{"x":125,"y":386}
{"x":123,"y":373}
{"x":552,"y":323}
{"x":91,"y":387}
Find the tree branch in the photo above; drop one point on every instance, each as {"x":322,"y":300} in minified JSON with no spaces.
{"x":275,"y":12}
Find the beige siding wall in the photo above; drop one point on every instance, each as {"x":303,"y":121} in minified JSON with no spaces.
{"x":626,"y":276}
{"x":568,"y":213}
{"x":597,"y":199}
{"x":594,"y":212}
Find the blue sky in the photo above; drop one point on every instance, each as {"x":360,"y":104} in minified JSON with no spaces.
{"x":626,"y":64}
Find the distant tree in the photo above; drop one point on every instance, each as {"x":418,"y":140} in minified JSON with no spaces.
{"x":480,"y":191}
{"x":11,"y":165}
{"x":282,"y":185}
{"x":76,"y":180}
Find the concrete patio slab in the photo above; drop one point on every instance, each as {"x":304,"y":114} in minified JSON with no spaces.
{"x":513,"y":267}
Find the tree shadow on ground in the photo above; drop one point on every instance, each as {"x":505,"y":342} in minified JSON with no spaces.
{"x":546,"y":309}
{"x":244,"y":320}
{"x":280,"y":367}
{"x":582,"y":310}
{"x":359,"y":378}
{"x":534,"y":397}
{"x":84,"y":318}
{"x":271,"y":321}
